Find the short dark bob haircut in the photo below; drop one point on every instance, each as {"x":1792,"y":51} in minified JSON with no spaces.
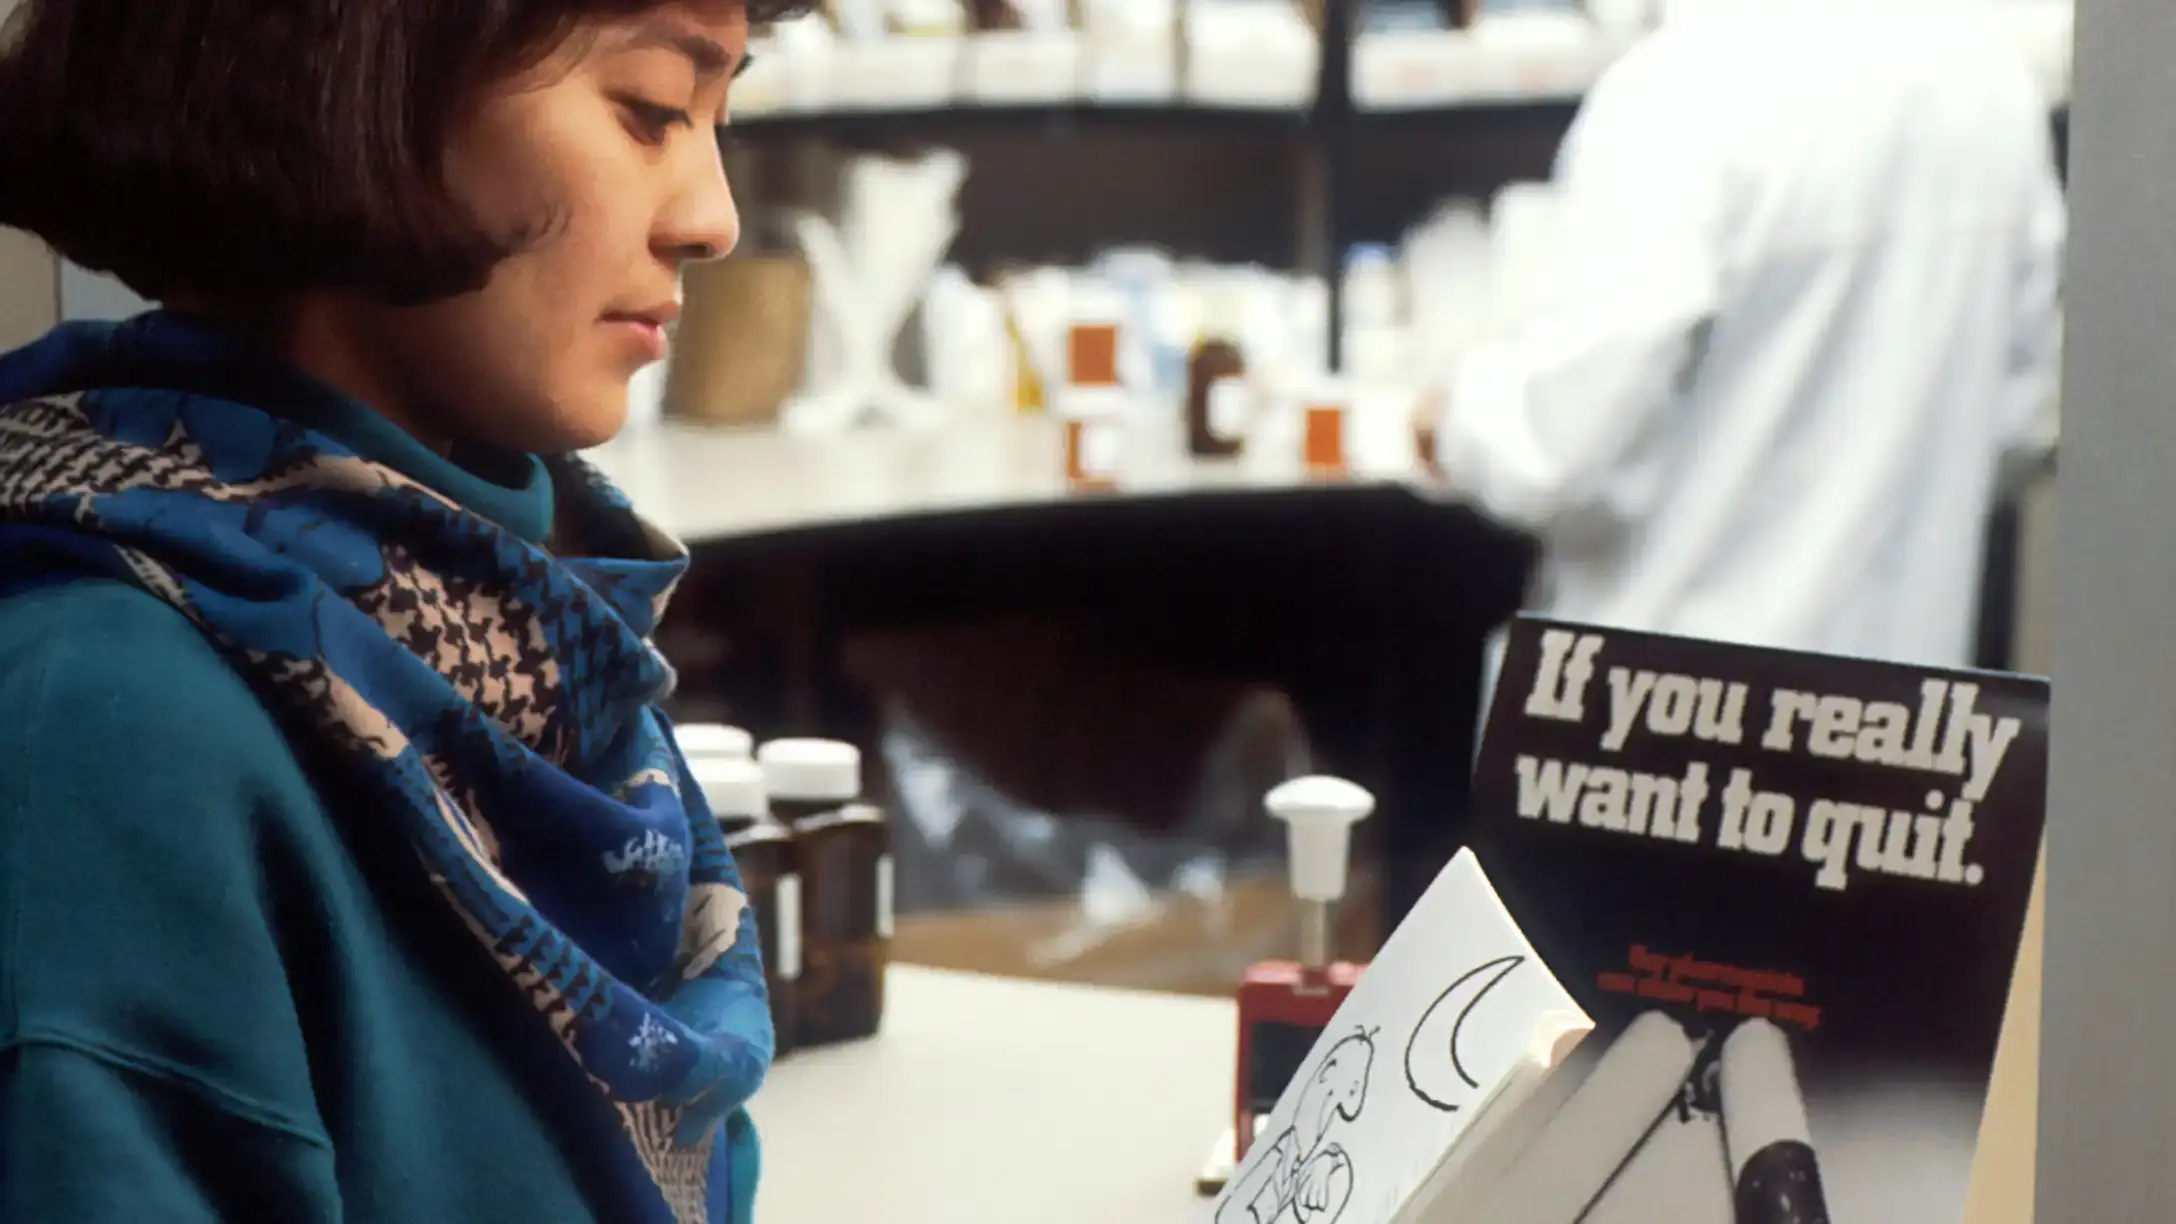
{"x":243,"y":150}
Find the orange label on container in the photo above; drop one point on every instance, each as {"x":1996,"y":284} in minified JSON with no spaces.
{"x":1092,"y":355}
{"x":1324,"y":445}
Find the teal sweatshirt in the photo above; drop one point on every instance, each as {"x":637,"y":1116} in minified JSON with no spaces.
{"x":223,"y":997}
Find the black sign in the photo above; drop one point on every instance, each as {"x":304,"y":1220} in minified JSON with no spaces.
{"x":1841,"y":849}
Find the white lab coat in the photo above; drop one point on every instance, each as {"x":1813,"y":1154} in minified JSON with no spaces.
{"x":1803,"y":309}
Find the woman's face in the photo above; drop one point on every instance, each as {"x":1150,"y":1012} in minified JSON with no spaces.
{"x":614,"y":137}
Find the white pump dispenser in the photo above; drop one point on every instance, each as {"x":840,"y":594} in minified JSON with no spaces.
{"x":1319,"y":813}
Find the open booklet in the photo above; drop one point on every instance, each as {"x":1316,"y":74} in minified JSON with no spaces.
{"x":1783,"y":894}
{"x":1452,"y":1028}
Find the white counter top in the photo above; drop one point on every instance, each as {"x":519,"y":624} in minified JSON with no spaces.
{"x":993,"y":1101}
{"x":709,"y":482}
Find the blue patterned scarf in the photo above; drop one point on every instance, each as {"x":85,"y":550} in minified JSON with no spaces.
{"x":496,"y":700}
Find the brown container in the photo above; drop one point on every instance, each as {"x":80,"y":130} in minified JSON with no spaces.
{"x":1212,"y":361}
{"x":844,"y":853}
{"x":742,"y":340}
{"x":763,"y":848}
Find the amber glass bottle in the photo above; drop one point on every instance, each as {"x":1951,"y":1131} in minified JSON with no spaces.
{"x":842,"y":847}
{"x":763,"y":850}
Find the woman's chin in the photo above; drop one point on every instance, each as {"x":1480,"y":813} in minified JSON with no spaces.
{"x":594,"y":431}
{"x":550,"y":416}
{"x":582,"y":422}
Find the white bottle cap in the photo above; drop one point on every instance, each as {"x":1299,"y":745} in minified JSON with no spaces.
{"x":1319,"y":813}
{"x":713,"y":740}
{"x":811,"y":769}
{"x":732,"y":787}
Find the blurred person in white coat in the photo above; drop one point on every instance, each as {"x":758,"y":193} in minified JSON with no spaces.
{"x":1800,"y":320}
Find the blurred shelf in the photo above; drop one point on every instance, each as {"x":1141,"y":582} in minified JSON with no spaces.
{"x":945,"y":124}
{"x":1055,"y":119}
{"x":705,"y":483}
{"x":1505,"y":68}
{"x":1554,"y":111}
{"x":955,"y":124}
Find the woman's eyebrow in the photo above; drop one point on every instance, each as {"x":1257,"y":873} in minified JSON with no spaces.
{"x":745,"y":60}
{"x":709,"y":56}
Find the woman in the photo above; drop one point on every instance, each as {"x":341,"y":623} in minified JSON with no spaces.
{"x":347,"y":871}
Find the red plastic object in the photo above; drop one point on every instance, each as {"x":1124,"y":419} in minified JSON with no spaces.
{"x":1283,"y":1007}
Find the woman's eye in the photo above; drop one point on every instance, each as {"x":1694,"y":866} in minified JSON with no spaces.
{"x":654,"y":123}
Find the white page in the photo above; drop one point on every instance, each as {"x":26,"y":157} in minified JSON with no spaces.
{"x":1500,"y":1129}
{"x":1453,"y":1001}
{"x":1565,"y":1168}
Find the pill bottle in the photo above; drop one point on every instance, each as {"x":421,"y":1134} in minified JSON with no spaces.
{"x":763,"y":850}
{"x":733,"y":787}
{"x":699,"y":741}
{"x":843,"y":848}
{"x":1215,"y":388}
{"x":1091,"y":407}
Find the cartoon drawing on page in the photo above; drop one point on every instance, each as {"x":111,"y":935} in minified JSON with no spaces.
{"x":1455,"y":1011}
{"x":1302,"y":1175}
{"x":1434,"y":1069}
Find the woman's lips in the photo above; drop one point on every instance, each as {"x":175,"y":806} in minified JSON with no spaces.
{"x":646,"y":336}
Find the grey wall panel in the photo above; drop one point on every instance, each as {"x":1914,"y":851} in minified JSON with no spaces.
{"x":2107,"y":1129}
